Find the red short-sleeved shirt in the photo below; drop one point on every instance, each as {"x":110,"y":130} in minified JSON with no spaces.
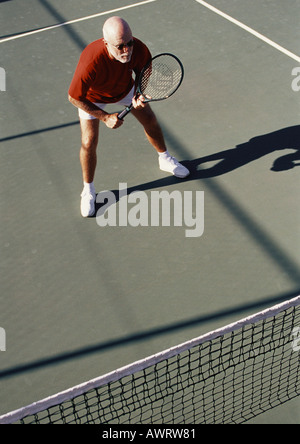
{"x":101,"y":79}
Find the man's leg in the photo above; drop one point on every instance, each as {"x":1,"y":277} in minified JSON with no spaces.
{"x":88,"y":161}
{"x":155,"y":137}
{"x":151,"y":126}
{"x":88,"y":150}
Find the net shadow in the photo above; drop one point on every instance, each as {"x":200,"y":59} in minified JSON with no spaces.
{"x":143,"y":335}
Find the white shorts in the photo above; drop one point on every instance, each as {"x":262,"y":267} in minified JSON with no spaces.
{"x":124,"y":102}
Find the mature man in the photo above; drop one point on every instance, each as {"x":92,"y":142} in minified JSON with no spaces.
{"x":104,"y":75}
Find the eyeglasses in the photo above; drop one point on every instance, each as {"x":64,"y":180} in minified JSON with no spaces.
{"x":122,"y":46}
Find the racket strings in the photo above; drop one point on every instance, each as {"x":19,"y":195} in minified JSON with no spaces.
{"x":161,"y":78}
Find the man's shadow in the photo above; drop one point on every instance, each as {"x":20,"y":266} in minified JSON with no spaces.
{"x":229,"y":160}
{"x":234,"y":158}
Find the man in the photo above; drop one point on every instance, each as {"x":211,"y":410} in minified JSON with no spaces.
{"x":104,"y":75}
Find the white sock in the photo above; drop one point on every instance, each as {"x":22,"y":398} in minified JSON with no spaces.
{"x":89,"y":187}
{"x":164,"y":155}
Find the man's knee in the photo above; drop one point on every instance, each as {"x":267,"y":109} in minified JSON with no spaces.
{"x":89,"y":134}
{"x":89,"y":142}
{"x":146,"y":117}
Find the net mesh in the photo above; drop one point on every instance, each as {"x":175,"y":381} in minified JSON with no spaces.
{"x":232,"y":377}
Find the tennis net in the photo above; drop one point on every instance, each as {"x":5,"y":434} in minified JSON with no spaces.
{"x":224,"y":377}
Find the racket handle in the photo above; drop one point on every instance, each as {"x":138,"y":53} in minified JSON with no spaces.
{"x":124,"y":113}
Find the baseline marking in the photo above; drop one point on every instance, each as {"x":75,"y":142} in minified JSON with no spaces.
{"x":70,"y":22}
{"x":250,"y":30}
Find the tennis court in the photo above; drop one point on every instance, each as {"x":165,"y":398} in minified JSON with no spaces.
{"x":79,"y":300}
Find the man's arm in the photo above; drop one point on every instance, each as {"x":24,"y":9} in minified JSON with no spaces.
{"x":110,"y":120}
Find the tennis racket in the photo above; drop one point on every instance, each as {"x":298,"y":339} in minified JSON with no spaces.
{"x":159,"y":80}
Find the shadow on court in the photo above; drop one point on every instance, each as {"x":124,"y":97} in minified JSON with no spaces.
{"x":144,"y":335}
{"x":232,"y":159}
{"x":68,"y":29}
{"x":229,"y":160}
{"x":71,"y":33}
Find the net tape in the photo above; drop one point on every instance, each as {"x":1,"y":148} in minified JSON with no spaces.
{"x":228,"y":376}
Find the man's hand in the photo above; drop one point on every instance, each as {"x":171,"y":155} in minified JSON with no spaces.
{"x":139,"y":102}
{"x":112,"y":121}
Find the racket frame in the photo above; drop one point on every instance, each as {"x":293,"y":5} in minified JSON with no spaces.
{"x":128,"y":109}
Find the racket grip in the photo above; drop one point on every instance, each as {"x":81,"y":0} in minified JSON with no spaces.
{"x":124,"y":113}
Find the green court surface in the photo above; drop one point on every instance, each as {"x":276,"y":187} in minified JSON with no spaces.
{"x":69,"y":285}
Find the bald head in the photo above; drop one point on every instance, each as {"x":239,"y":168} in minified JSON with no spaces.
{"x":118,"y":39}
{"x":116,"y":29}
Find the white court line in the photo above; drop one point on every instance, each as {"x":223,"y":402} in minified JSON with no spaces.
{"x":250,"y":30}
{"x":70,"y":22}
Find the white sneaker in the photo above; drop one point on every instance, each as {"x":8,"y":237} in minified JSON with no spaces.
{"x":87,"y":205}
{"x":171,"y":165}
